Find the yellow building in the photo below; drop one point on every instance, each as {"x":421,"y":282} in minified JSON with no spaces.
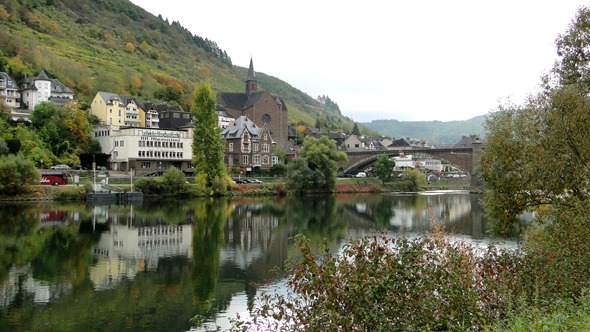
{"x":114,"y":109}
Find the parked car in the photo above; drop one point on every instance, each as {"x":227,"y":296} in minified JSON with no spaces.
{"x":361,"y":175}
{"x":60,"y":166}
{"x":255,"y":181}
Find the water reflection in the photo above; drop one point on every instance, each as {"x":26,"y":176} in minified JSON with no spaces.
{"x":154,"y":265}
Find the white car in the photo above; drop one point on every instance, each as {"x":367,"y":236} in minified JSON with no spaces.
{"x":60,"y":166}
{"x":361,"y":175}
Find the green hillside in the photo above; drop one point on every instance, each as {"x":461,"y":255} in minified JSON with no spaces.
{"x":116,"y":46}
{"x":435,"y":132}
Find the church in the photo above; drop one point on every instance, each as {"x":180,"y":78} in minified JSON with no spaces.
{"x":261,"y":107}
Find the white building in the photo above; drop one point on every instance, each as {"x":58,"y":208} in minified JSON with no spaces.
{"x":40,"y":89}
{"x":403,"y":162}
{"x":432,"y":165}
{"x":146,"y":150}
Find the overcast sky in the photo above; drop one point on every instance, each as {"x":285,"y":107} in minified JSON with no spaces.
{"x":402,"y":60}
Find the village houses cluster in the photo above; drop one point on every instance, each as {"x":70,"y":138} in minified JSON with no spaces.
{"x":149,"y":137}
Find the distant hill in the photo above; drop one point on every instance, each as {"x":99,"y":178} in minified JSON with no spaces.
{"x":435,"y":132}
{"x":116,"y":46}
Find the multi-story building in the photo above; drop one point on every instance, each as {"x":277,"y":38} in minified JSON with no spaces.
{"x":146,"y":150}
{"x":41,"y":88}
{"x":152,"y":118}
{"x":261,"y":107}
{"x":172,"y":117}
{"x":248,"y":146}
{"x":9,"y":91}
{"x":114,"y":109}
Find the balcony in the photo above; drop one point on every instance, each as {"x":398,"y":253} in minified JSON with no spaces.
{"x":132,"y":111}
{"x":12,"y":94}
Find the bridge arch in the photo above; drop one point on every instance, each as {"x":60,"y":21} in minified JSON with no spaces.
{"x":461,"y":157}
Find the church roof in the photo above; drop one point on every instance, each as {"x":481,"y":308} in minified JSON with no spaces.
{"x":251,"y":73}
{"x":242,"y":101}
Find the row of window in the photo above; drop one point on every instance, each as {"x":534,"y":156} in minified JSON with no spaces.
{"x":246,"y":147}
{"x":258,"y":159}
{"x":160,"y":154}
{"x":158,"y":144}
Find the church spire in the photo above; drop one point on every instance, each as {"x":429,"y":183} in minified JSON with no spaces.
{"x":251,"y":82}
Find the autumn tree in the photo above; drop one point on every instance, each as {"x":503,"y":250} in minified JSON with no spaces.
{"x":573,"y":49}
{"x":208,"y":147}
{"x":537,"y":154}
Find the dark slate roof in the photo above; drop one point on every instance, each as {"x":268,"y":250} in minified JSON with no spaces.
{"x":241,"y":101}
{"x":10,"y":83}
{"x":336,"y":135}
{"x":56,"y":85}
{"x":42,"y":76}
{"x":145,"y":105}
{"x":127,"y":99}
{"x":466,"y":141}
{"x":224,"y":113}
{"x":251,"y":74}
{"x":236,"y":129}
{"x":108,"y":97}
{"x":233,"y":99}
{"x":292,"y":131}
{"x":162,"y":107}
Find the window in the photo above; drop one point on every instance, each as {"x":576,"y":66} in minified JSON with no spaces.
{"x":245,"y":160}
{"x":256,"y":159}
{"x":230,"y":147}
{"x":255,"y":147}
{"x":265,"y":147}
{"x":275,"y":160}
{"x":265,"y":160}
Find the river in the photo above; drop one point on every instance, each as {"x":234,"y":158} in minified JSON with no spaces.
{"x":152,"y":266}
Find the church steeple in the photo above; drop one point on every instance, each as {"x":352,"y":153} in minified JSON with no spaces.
{"x":251,"y":82}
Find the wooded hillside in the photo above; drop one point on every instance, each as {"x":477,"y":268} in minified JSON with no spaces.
{"x":116,"y":46}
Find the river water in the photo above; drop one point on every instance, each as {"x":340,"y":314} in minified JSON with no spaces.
{"x":152,"y":266}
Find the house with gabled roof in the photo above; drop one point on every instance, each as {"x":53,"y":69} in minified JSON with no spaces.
{"x":260,"y":107}
{"x":41,"y":88}
{"x":354,"y":143}
{"x":313,"y":132}
{"x":117,"y":110}
{"x":248,"y":145}
{"x":9,"y":94}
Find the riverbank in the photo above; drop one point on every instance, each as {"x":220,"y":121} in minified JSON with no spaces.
{"x":268,"y":187}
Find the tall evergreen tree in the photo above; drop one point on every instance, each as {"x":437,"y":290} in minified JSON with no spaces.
{"x":355,"y":130}
{"x":208,"y":148}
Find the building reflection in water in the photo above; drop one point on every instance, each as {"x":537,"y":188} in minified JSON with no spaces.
{"x":130,"y":246}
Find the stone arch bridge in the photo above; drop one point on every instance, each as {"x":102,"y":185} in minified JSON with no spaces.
{"x":465,"y":157}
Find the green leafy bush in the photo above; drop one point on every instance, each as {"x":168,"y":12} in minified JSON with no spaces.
{"x":17,"y":174}
{"x":390,"y":284}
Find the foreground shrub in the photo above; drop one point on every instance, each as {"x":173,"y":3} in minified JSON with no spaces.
{"x":391,"y":284}
{"x":557,"y":260}
{"x":150,"y":186}
{"x":17,"y":174}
